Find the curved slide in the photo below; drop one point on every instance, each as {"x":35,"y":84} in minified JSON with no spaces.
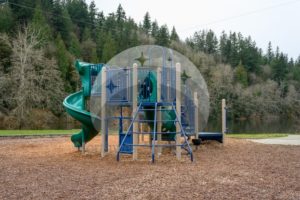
{"x":74,"y":104}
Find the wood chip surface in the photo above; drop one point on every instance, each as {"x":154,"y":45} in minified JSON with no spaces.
{"x":51,"y":168}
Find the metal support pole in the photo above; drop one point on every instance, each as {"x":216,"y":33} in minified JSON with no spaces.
{"x":83,"y":143}
{"x":223,"y":120}
{"x":142,"y":129}
{"x":178,"y":110}
{"x":103,"y":109}
{"x":159,"y":123}
{"x":82,"y":135}
{"x":134,"y":109}
{"x":197,"y":125}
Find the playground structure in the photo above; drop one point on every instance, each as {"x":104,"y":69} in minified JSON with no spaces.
{"x":159,"y":97}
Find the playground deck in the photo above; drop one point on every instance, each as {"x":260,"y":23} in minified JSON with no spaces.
{"x":50,"y":168}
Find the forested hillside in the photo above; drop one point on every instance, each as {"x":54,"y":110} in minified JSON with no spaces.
{"x":40,"y":40}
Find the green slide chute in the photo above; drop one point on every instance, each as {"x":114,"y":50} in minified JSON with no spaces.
{"x":73,"y":105}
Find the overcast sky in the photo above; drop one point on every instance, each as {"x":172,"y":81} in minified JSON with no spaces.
{"x":277,"y":21}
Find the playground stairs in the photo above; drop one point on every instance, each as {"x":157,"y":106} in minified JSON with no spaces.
{"x":156,"y":109}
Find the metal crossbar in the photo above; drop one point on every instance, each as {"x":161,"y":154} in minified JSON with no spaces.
{"x":141,"y":132}
{"x":157,"y":145}
{"x":149,"y":120}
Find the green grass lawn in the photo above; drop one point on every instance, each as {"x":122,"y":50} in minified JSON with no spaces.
{"x":257,"y":135}
{"x":43,"y":132}
{"x":37,"y":132}
{"x":72,"y":131}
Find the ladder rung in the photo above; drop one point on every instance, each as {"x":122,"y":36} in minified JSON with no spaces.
{"x":156,"y":132}
{"x":149,"y":120}
{"x":152,"y":109}
{"x":156,"y":145}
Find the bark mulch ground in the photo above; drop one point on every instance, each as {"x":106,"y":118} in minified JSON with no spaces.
{"x":50,"y":168}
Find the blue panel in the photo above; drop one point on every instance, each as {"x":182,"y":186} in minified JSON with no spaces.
{"x":168,"y":87}
{"x":94,"y":71}
{"x":117,"y":85}
{"x":128,"y":140}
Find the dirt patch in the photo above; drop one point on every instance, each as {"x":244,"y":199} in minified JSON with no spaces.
{"x":50,"y":168}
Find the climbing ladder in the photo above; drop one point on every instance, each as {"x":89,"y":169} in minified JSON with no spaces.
{"x":155,"y":107}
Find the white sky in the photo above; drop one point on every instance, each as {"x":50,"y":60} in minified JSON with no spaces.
{"x":277,"y":21}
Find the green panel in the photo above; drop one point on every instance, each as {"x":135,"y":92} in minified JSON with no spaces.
{"x":151,"y":78}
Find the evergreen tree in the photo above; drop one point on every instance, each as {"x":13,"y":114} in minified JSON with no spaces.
{"x":6,"y":83}
{"x":225,"y":47}
{"x":110,"y":24}
{"x":61,"y":21}
{"x":296,"y":70}
{"x":62,"y":57}
{"x":135,"y":39}
{"x":78,"y":12}
{"x":22,"y":14}
{"x":249,"y":54}
{"x":154,"y":29}
{"x":233,"y":54}
{"x":109,"y":48}
{"x":100,"y":21}
{"x":100,"y":41}
{"x":74,"y":47}
{"x":86,"y":34}
{"x":39,"y":23}
{"x":297,"y":62}
{"x":211,"y":43}
{"x":120,"y":15}
{"x":199,"y":41}
{"x":6,"y":18}
{"x":174,"y":36}
{"x":120,"y":35}
{"x":89,"y":51}
{"x":92,"y":16}
{"x":240,"y":75}
{"x":163,"y":37}
{"x":5,"y":55}
{"x":279,"y":67}
{"x":270,"y":53}
{"x":147,"y":23}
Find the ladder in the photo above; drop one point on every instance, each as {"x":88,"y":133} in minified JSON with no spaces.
{"x":155,"y":107}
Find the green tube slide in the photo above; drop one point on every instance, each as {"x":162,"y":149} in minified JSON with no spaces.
{"x":74,"y":104}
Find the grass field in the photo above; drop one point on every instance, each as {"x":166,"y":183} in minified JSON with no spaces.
{"x":12,"y":133}
{"x":257,"y":135}
{"x":37,"y":132}
{"x":72,"y":131}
